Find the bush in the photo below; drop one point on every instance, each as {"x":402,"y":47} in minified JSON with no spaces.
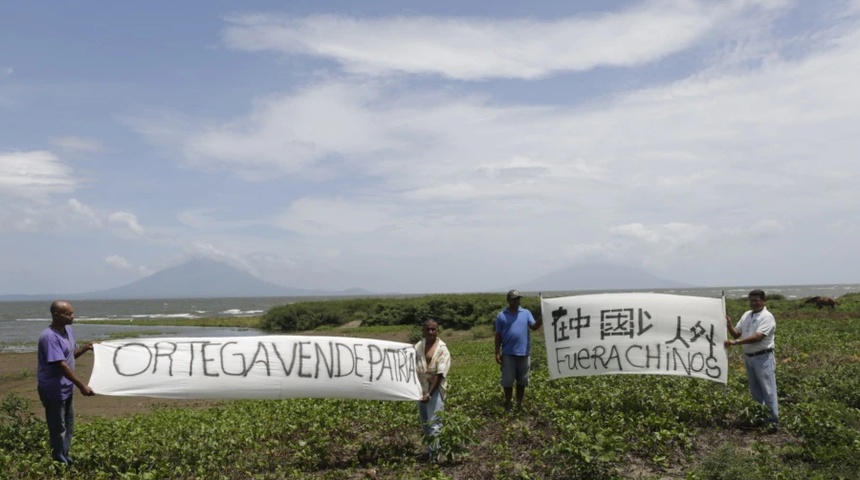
{"x":460,"y":312}
{"x":20,"y":431}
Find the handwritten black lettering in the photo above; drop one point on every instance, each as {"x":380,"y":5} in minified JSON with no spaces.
{"x":223,"y":363}
{"x":168,"y":355}
{"x":341,"y":347}
{"x":357,"y":358}
{"x":117,"y":362}
{"x":261,"y":347}
{"x":329,"y":363}
{"x":371,"y":362}
{"x":207,"y":360}
{"x":302,"y":358}
{"x":309,"y":359}
{"x":642,"y":358}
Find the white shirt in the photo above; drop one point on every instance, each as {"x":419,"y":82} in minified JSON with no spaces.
{"x":761,"y":321}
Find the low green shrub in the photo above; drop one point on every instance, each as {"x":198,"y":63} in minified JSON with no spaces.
{"x":452,"y":311}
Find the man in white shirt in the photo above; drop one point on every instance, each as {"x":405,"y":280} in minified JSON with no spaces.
{"x":755,"y":333}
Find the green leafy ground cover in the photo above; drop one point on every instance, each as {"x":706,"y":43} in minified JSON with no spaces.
{"x":453,"y":311}
{"x":591,"y":428}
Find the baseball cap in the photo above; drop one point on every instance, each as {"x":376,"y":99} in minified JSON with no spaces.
{"x":514,"y":294}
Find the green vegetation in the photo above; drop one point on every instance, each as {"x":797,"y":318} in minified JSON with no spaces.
{"x":9,"y":346}
{"x":452,"y":311}
{"x":137,"y":334}
{"x":22,"y":374}
{"x":620,"y":426}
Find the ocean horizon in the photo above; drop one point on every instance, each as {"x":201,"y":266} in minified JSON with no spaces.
{"x":22,"y":321}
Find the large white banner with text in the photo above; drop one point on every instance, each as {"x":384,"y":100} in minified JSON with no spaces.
{"x":645,"y":333}
{"x":276,"y":366}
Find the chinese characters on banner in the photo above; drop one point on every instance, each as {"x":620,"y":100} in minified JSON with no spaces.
{"x":276,"y":366}
{"x":645,"y":333}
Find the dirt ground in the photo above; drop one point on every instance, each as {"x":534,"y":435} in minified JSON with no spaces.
{"x":18,"y":375}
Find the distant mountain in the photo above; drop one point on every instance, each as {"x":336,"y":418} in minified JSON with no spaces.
{"x":599,"y":276}
{"x":205,"y":278}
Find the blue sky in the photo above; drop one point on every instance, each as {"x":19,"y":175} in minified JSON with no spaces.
{"x":428,"y":146}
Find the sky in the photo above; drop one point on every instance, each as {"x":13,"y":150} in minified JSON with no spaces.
{"x":429,"y":146}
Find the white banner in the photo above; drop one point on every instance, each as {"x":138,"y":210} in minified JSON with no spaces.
{"x":646,"y":333}
{"x":276,"y":366}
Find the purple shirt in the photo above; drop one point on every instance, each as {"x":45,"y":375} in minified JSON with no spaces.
{"x":54,"y":347}
{"x":514,"y":328}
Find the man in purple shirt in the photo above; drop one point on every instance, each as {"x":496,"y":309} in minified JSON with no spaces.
{"x":57,"y":379}
{"x":513,"y":346}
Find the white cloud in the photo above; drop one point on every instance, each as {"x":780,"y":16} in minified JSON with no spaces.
{"x":849,"y":226}
{"x":637,"y":231}
{"x":34,"y":175}
{"x":118,"y":262}
{"x":129,"y":220}
{"x":480,"y":48}
{"x":91,"y":218}
{"x":211,"y":219}
{"x":78,"y":144}
{"x":646,"y":146}
{"x":768,"y":228}
{"x":659,"y":174}
{"x":683,"y":175}
{"x":293,"y":132}
{"x":333,"y":217}
{"x":23,"y":215}
{"x":663,"y":239}
{"x":203,"y":249}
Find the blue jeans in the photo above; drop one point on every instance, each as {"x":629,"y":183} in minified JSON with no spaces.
{"x":60,"y":416}
{"x":761,"y":373}
{"x":431,"y":424}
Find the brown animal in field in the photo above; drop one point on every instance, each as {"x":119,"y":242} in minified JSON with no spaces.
{"x":822,"y":302}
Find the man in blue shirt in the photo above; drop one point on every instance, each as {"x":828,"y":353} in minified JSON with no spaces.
{"x":513,"y":346}
{"x":57,"y":379}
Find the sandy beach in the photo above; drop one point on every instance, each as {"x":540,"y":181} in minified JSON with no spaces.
{"x":18,"y":375}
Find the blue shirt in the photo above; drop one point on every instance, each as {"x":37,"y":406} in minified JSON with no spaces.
{"x":514,"y":328}
{"x":54,"y":347}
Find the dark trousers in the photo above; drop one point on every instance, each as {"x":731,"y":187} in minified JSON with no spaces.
{"x":60,"y":416}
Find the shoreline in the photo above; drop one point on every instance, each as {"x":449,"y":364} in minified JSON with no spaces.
{"x":18,"y":376}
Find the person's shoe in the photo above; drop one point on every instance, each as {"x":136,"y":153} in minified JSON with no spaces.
{"x":508,"y":406}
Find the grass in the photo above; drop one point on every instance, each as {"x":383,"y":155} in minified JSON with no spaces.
{"x":8,"y":346}
{"x":23,"y":374}
{"x":620,"y":426}
{"x":120,"y":335}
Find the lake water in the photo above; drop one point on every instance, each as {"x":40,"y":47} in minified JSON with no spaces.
{"x":21,"y":322}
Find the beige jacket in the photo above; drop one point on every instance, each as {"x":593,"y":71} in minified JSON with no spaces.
{"x":439,"y":364}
